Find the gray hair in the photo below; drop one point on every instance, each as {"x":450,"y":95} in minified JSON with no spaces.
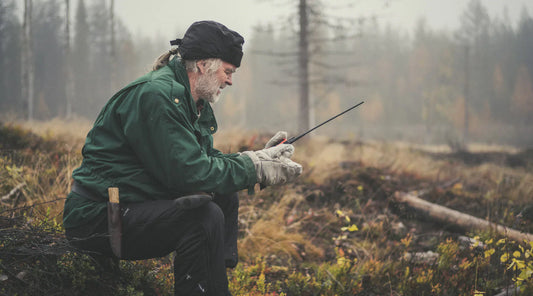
{"x":211,"y":64}
{"x":190,"y":65}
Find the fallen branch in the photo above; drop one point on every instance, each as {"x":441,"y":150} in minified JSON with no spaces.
{"x":457,"y":218}
{"x":13,"y":193}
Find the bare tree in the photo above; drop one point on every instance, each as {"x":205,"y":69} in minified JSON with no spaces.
{"x":303,"y":66}
{"x":27,"y":59}
{"x":313,"y":28}
{"x":69,"y":83}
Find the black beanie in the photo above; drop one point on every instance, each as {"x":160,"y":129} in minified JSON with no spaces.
{"x":209,"y":39}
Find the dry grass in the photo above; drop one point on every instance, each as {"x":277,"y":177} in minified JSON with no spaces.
{"x":264,"y":218}
{"x":297,"y":226}
{"x":319,"y":156}
{"x":71,"y":132}
{"x":267,"y":232}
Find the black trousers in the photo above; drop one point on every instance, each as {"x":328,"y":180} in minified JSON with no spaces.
{"x":204,"y":239}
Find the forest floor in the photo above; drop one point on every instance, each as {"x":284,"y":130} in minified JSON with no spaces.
{"x":336,"y":231}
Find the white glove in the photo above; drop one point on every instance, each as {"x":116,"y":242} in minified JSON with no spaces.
{"x":272,"y":166}
{"x":278,"y":137}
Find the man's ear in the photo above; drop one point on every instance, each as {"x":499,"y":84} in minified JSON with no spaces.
{"x":201,"y":66}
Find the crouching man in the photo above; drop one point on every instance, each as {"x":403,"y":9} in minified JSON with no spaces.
{"x":153,"y":140}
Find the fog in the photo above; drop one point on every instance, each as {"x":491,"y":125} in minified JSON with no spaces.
{"x":428,"y":73}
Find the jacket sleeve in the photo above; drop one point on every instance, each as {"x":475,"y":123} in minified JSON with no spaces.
{"x":165,"y":140}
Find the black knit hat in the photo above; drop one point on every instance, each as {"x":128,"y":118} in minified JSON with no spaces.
{"x":209,"y":39}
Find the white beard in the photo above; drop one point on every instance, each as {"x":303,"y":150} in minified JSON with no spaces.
{"x":208,"y":87}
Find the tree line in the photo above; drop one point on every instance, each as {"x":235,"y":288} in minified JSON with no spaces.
{"x":96,"y":48}
{"x":431,"y":85}
{"x":471,"y":84}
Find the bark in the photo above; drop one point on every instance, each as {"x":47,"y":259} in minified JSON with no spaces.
{"x":460,"y":219}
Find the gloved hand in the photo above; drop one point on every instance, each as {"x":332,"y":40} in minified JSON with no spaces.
{"x":273,"y":165}
{"x":278,"y":137}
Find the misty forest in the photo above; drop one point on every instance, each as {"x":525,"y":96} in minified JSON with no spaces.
{"x":425,"y":189}
{"x":429,"y":85}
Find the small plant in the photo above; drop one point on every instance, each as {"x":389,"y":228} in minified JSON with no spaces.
{"x":517,"y":259}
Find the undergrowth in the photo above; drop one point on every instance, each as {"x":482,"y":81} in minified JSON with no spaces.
{"x":335,"y":231}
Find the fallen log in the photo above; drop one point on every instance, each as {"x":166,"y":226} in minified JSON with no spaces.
{"x":460,"y":219}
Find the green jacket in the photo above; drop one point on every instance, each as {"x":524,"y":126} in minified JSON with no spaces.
{"x":150,"y":142}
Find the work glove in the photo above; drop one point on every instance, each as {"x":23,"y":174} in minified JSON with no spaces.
{"x":278,"y":137}
{"x":273,"y":165}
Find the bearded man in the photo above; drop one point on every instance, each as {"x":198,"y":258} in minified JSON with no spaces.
{"x":153,"y":140}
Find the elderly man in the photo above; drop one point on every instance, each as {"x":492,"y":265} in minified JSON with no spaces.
{"x":153,"y":140}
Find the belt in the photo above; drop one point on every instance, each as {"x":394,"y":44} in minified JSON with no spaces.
{"x":85,"y":193}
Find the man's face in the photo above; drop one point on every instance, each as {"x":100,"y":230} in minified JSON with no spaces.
{"x":211,"y":82}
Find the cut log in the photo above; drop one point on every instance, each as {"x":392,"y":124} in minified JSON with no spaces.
{"x":460,"y":219}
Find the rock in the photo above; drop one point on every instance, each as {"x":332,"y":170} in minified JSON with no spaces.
{"x":428,"y":257}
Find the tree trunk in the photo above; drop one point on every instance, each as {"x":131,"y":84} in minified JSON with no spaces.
{"x":27,"y":59}
{"x":303,"y":63}
{"x":457,"y":218}
{"x":113,"y":47}
{"x":466,"y":97}
{"x":69,"y":83}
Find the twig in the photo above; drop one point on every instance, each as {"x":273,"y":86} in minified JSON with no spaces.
{"x":13,"y":192}
{"x":33,"y":205}
{"x":333,"y":278}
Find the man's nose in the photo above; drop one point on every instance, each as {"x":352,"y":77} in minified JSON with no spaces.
{"x":229,"y":80}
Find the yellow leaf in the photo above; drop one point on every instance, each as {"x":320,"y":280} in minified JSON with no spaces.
{"x":520,"y":264}
{"x":516,"y":254}
{"x":501,"y":241}
{"x":353,"y":228}
{"x":347,"y":218}
{"x":339,"y":212}
{"x":489,"y":241}
{"x":489,"y":252}
{"x":504,"y":257}
{"x":360,"y":187}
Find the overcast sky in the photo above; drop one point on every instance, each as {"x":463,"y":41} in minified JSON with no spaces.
{"x":169,"y":18}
